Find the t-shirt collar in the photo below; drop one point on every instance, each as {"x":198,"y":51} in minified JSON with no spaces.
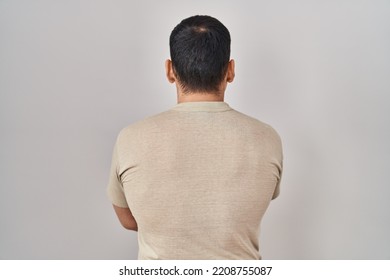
{"x":202,"y":106}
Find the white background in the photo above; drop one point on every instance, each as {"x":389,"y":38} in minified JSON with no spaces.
{"x":73,"y":73}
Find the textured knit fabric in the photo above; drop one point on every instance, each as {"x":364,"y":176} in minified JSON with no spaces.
{"x":198,"y":179}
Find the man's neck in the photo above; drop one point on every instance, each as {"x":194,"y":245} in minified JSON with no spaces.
{"x":200,"y":96}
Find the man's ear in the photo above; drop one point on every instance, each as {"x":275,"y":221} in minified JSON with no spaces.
{"x":169,"y":71}
{"x":230,"y":71}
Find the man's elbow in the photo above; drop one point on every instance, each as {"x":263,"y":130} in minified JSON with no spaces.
{"x":130,"y":226}
{"x":126,"y":218}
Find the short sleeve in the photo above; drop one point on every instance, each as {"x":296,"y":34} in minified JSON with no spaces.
{"x":276,"y":191}
{"x":115,"y":188}
{"x":280,"y":172}
{"x":277,"y":187}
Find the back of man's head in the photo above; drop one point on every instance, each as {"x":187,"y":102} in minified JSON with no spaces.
{"x":200,"y":53}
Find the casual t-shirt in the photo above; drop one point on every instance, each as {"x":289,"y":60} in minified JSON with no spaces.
{"x":198,"y":179}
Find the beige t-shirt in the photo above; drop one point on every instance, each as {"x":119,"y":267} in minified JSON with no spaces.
{"x":198,"y":179}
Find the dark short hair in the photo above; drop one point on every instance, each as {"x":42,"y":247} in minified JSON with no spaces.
{"x":200,"y":53}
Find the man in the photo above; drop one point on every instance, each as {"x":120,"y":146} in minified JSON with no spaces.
{"x":196,"y":180}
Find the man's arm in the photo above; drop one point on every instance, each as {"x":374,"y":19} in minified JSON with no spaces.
{"x":126,"y":218}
